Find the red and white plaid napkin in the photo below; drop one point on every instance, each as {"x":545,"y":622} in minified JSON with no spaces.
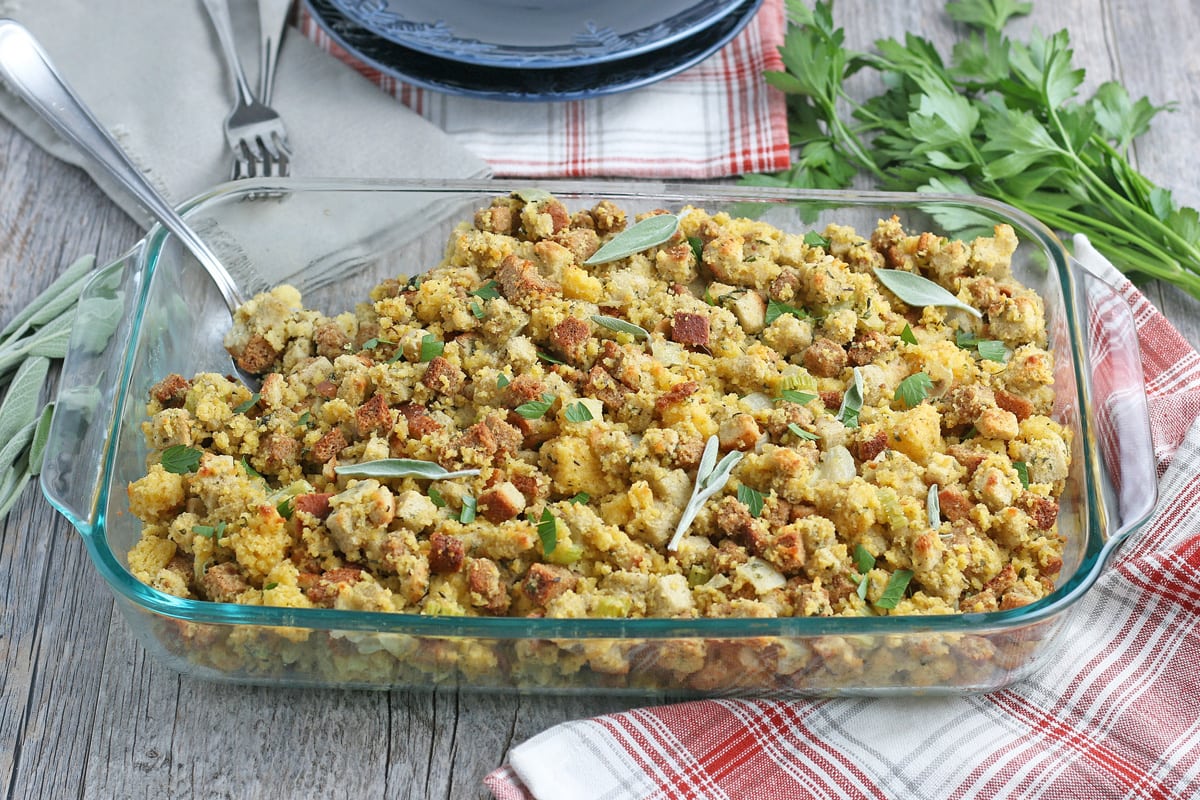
{"x":1116,"y":713}
{"x":716,"y":119}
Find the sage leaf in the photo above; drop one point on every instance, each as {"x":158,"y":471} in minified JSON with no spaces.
{"x":12,"y":493}
{"x":933,"y":508}
{"x":402,"y":468}
{"x":60,"y":295}
{"x":20,"y":406}
{"x":620,"y":326}
{"x":917,"y":291}
{"x":711,"y":477}
{"x":642,"y":236}
{"x":470,"y":507}
{"x":532,"y":195}
{"x":803,"y":434}
{"x":15,"y":446}
{"x":37,"y":448}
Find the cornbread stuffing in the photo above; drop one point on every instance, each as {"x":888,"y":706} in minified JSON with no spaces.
{"x":895,"y":458}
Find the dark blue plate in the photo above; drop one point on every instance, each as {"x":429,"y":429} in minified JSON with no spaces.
{"x":512,"y":84}
{"x":534,"y":33}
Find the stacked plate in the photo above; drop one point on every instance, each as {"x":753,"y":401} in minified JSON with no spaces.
{"x":531,"y":49}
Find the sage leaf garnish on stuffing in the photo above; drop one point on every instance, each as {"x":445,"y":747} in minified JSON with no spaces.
{"x":621,"y":326}
{"x":469,"y":508}
{"x":907,"y":335}
{"x":711,"y":477}
{"x":933,"y":508}
{"x":919,"y":292}
{"x":797,"y":397}
{"x":402,"y":468}
{"x":803,"y":434}
{"x":638,"y":237}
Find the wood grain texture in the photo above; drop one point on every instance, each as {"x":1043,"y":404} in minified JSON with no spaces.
{"x":85,"y":713}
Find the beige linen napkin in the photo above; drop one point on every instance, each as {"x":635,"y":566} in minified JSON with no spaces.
{"x":152,"y":74}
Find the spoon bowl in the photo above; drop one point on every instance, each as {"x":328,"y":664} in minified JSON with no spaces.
{"x":29,"y":72}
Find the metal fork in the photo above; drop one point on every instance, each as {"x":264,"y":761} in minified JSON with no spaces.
{"x":254,"y":130}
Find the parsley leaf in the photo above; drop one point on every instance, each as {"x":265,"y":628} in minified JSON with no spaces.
{"x":502,"y":381}
{"x":251,"y":471}
{"x":436,"y":498}
{"x":180,"y":459}
{"x":536,"y":409}
{"x":431,"y":348}
{"x":469,"y":508}
{"x":242,"y":408}
{"x":489,"y":291}
{"x":908,"y":336}
{"x":752,"y":498}
{"x":578,"y":412}
{"x":852,"y":401}
{"x":581,"y":498}
{"x":547,"y":530}
{"x":477,"y":310}
{"x":1022,"y":473}
{"x":893,"y":593}
{"x":992,"y":350}
{"x":776,"y":309}
{"x":913,"y":389}
{"x":864,"y":562}
{"x":814,"y":239}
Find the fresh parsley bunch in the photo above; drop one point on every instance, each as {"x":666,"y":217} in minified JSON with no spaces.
{"x":1000,"y":118}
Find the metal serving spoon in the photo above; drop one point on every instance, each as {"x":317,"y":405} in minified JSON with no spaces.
{"x":30,"y":73}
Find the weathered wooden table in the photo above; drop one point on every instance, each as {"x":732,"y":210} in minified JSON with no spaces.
{"x":84,"y":713}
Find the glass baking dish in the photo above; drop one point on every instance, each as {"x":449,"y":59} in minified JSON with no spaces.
{"x":154,"y":311}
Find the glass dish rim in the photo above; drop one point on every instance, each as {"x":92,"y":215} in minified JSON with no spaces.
{"x":145,"y":253}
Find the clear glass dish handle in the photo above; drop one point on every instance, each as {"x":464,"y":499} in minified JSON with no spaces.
{"x":1120,"y":409}
{"x":78,"y":445}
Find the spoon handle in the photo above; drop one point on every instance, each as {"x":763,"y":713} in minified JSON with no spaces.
{"x":29,"y":72}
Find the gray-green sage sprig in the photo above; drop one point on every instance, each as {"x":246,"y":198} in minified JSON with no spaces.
{"x":28,"y":342}
{"x":711,"y":477}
